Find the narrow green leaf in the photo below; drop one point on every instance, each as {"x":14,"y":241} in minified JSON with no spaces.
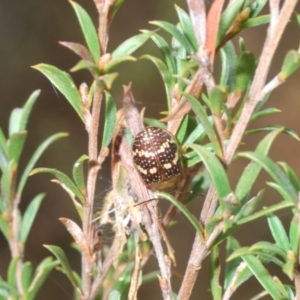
{"x":166,"y":52}
{"x":64,"y":180}
{"x":216,"y":289}
{"x":61,"y":256}
{"x":154,"y":122}
{"x":40,"y":275}
{"x":290,"y":265}
{"x":249,"y":208}
{"x":265,"y":211}
{"x":227,"y":18}
{"x":294,"y":233}
{"x":207,"y":126}
{"x":26,"y":276}
{"x":89,"y":30}
{"x":229,"y":59}
{"x":263,"y":113}
{"x":278,"y":232}
{"x":165,"y":74}
{"x":4,"y":161}
{"x":253,"y":169}
{"x":291,"y":174}
{"x":78,"y":174}
{"x":27,"y":108}
{"x":275,"y":171}
{"x":175,"y":33}
{"x":3,"y":145}
{"x":11,"y":272}
{"x":244,"y":70}
{"x":298,"y":19}
{"x":131,"y":44}
{"x":290,"y":64}
{"x":269,"y":248}
{"x":14,"y":121}
{"x":4,"y":228}
{"x":39,"y":151}
{"x":231,"y":266}
{"x":181,"y":132}
{"x":64,"y":83}
{"x":216,"y":171}
{"x":15,"y":146}
{"x":114,"y":295}
{"x":264,"y":278}
{"x":110,"y":120}
{"x":258,"y":6}
{"x":116,"y":61}
{"x":183,"y":210}
{"x":29,"y":217}
{"x":258,"y":21}
{"x":187,"y":27}
{"x":217,"y":97}
{"x":286,"y":130}
{"x":85,"y":64}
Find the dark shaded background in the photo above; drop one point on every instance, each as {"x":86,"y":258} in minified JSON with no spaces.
{"x":29,"y":34}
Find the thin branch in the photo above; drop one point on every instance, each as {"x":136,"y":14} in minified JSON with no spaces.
{"x":88,"y":227}
{"x":270,"y":46}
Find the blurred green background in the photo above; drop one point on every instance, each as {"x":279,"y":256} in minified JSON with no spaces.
{"x":29,"y":34}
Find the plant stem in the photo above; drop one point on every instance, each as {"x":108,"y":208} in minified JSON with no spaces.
{"x":94,"y":166}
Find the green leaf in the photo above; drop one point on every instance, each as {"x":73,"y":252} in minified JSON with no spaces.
{"x":175,"y":33}
{"x":65,"y":181}
{"x":187,"y":27}
{"x":61,"y":256}
{"x":26,"y":276}
{"x":266,"y":211}
{"x":78,"y":174}
{"x":114,"y":295}
{"x":264,"y":278}
{"x":291,"y":174}
{"x":89,"y":31}
{"x":229,"y":59}
{"x":227,"y":18}
{"x":183,"y":210}
{"x":216,"y":171}
{"x":290,"y":265}
{"x":29,"y":217}
{"x":27,"y":108}
{"x":294,"y":234}
{"x":130,"y":45}
{"x":40,"y":275}
{"x":286,"y":130}
{"x":115,"y":62}
{"x":64,"y":83}
{"x":250,"y":173}
{"x":275,"y":171}
{"x":85,"y":64}
{"x":268,"y":248}
{"x":217,"y":97}
{"x":14,"y":121}
{"x":181,"y":132}
{"x":4,"y":228}
{"x":110,"y":120}
{"x":15,"y":146}
{"x":207,"y":126}
{"x":165,"y":74}
{"x":244,"y":71}
{"x":258,"y":6}
{"x":290,"y":64}
{"x":254,"y":22}
{"x":216,"y":289}
{"x":249,"y":208}
{"x":166,"y":52}
{"x":263,"y":113}
{"x":11,"y":272}
{"x":232,"y":265}
{"x":39,"y":151}
{"x":278,"y":232}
